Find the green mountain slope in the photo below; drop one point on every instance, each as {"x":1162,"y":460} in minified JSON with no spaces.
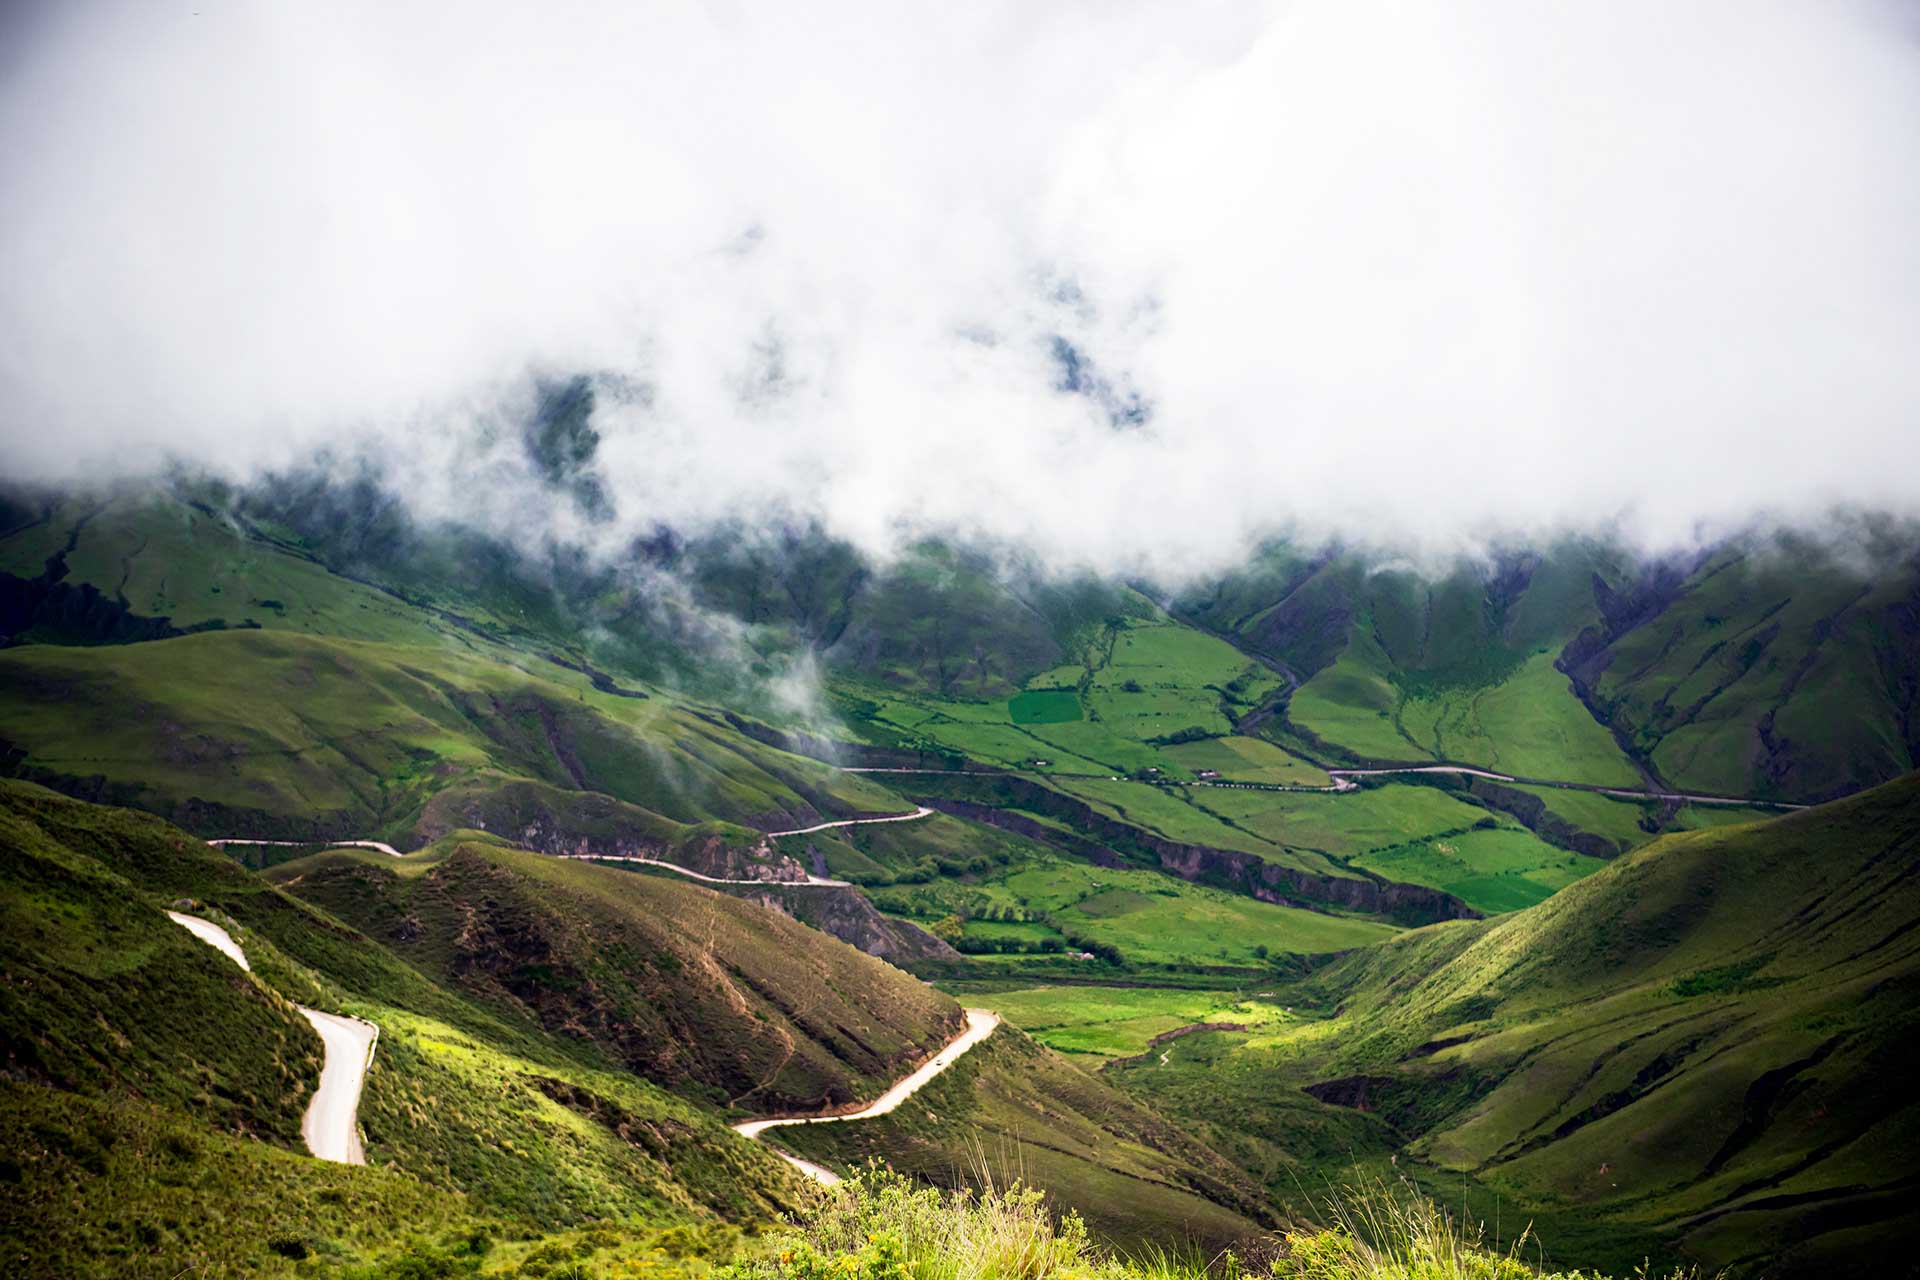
{"x":1701,"y":1043}
{"x":277,"y":734}
{"x":107,"y":996}
{"x":1765,"y":672}
{"x":1766,"y":669}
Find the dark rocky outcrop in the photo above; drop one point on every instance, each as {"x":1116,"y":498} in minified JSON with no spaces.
{"x":844,"y":912}
{"x":1533,"y":814}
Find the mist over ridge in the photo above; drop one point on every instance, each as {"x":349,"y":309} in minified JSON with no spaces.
{"x":1434,"y":282}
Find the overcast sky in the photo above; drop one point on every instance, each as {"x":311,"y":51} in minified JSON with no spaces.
{"x":1124,"y":283}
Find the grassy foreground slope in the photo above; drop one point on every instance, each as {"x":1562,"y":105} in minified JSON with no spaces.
{"x":105,"y":995}
{"x":152,"y":1101}
{"x":1701,"y":1043}
{"x":880,"y":1226}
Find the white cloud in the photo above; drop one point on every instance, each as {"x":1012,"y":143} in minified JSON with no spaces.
{"x":1417,"y":273}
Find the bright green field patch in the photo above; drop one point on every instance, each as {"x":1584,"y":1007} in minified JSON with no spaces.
{"x":1166,"y":811}
{"x":1352,"y":703}
{"x":1044,"y":706}
{"x":1112,"y":1022}
{"x":1000,"y":744}
{"x":1530,"y":723}
{"x":1021,"y":931}
{"x":1495,"y":871}
{"x":1171,"y":653}
{"x":1206,"y":926}
{"x":1700,"y":817}
{"x":1105,"y":746}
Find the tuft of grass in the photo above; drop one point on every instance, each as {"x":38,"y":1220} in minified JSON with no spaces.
{"x":1378,"y":1232}
{"x":879,"y":1225}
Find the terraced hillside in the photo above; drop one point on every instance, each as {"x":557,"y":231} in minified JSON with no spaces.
{"x":1698,"y":1045}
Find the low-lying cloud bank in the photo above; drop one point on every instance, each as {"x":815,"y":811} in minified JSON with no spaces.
{"x":1126,"y":285}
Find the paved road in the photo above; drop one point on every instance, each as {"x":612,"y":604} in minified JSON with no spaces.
{"x":1340,"y":776}
{"x":213,"y":935}
{"x":331,"y":1125}
{"x":310,"y":844}
{"x":980,"y":1025}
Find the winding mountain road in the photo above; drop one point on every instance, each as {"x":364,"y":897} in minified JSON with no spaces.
{"x":691,"y":874}
{"x":980,"y":1025}
{"x":331,"y":1125}
{"x":1340,"y":783}
{"x":309,"y":844}
{"x":920,"y":812}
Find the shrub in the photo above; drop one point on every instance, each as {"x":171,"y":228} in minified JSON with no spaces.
{"x":878,"y":1225}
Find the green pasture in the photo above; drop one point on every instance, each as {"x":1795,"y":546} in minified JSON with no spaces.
{"x":1342,"y":824}
{"x":1238,"y":759}
{"x":1529,"y":723}
{"x":1494,"y":871}
{"x":1100,"y":1023}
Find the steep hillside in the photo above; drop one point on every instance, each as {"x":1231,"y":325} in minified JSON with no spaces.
{"x":288,"y":735}
{"x":1769,"y":671}
{"x":106,"y":996}
{"x":1701,"y":1041}
{"x":693,"y":989}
